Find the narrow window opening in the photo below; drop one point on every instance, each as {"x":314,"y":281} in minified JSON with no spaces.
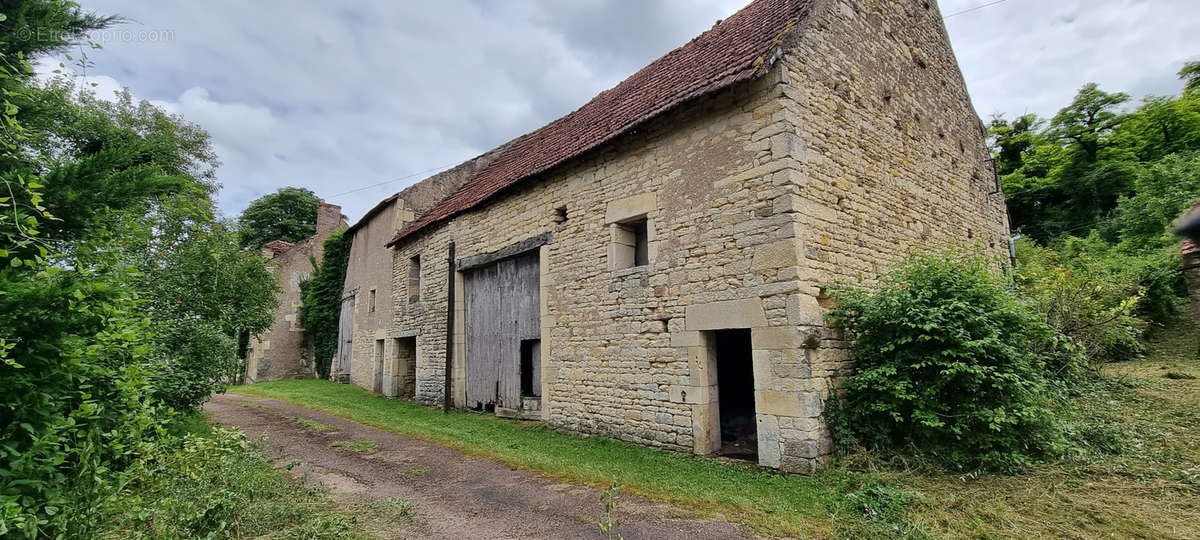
{"x":414,"y":279}
{"x":735,"y":394}
{"x":371,"y":301}
{"x":631,"y":244}
{"x":531,"y":368}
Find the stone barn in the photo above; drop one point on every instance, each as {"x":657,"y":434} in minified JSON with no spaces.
{"x":651,"y":266}
{"x":283,"y":352}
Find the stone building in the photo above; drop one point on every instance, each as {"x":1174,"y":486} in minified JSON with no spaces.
{"x":367,"y":341}
{"x":651,"y":266}
{"x":283,"y":352}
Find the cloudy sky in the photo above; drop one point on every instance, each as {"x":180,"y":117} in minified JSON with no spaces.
{"x":338,"y":96}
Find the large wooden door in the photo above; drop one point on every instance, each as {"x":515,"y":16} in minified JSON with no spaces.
{"x":341,"y":371}
{"x":502,"y":310}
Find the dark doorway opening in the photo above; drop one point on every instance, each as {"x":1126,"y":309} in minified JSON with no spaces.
{"x":735,"y":394}
{"x":531,"y":367}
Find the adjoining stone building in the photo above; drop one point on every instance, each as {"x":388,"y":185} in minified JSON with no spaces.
{"x":651,"y":266}
{"x":283,"y":352}
{"x":369,"y":353}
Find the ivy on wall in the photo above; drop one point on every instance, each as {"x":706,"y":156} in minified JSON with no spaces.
{"x":321,"y":300}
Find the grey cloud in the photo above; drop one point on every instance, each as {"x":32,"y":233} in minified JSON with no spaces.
{"x":335,"y":96}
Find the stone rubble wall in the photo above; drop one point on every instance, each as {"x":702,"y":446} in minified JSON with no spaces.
{"x":891,"y":158}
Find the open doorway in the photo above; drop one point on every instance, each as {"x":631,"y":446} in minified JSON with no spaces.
{"x":735,"y":394}
{"x":377,"y":385}
{"x":404,"y":367}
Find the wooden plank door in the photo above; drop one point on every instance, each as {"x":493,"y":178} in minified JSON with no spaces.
{"x":502,"y":310}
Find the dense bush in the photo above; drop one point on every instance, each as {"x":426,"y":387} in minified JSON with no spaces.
{"x":109,"y":293}
{"x":948,"y":363}
{"x":1087,"y":298}
{"x":321,"y":300}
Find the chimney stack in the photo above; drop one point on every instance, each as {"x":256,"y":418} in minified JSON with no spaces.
{"x":329,"y":219}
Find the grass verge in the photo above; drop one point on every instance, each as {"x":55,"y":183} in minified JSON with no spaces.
{"x":766,"y":502}
{"x":1135,"y":474}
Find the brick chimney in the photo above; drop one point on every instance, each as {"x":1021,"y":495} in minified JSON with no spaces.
{"x":329,"y":219}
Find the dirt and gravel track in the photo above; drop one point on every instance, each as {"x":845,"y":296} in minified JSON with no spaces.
{"x":456,"y":496}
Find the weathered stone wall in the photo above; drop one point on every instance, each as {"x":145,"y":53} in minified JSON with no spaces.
{"x":369,"y":271}
{"x":889,"y":157}
{"x":842,"y":158}
{"x":282,"y":352}
{"x":1191,"y":274}
{"x":370,"y":268}
{"x":707,"y":178}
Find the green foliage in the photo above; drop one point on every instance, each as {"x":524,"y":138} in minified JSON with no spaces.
{"x":947,"y":362}
{"x":1190,"y":73}
{"x":607,"y":523}
{"x":216,"y":485}
{"x":1123,"y":174}
{"x":1164,"y":191}
{"x":321,"y":300}
{"x":203,"y":290}
{"x":289,"y":214}
{"x":1089,"y":299}
{"x":101,"y":204}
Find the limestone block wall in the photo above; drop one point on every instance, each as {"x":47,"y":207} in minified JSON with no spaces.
{"x":890,"y":157}
{"x":617,"y":347}
{"x":368,"y":273}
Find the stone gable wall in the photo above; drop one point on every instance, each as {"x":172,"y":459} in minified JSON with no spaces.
{"x":892,"y":158}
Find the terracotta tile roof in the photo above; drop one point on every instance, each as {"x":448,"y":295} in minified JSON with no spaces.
{"x":734,"y":50}
{"x":278,"y":246}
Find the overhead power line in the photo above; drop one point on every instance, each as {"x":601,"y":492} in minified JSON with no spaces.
{"x":394,"y":180}
{"x":976,"y":8}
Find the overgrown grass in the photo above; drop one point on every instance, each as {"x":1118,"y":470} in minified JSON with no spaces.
{"x":1135,"y":473}
{"x":768,"y":503}
{"x":216,"y":484}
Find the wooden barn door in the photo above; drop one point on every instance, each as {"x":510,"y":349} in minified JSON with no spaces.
{"x":502,"y":310}
{"x":341,"y":367}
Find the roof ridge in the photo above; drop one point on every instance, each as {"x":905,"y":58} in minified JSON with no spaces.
{"x":742,"y":46}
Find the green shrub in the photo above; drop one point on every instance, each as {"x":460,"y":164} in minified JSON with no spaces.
{"x":947,"y":363}
{"x":198,"y":359}
{"x":1084,"y":296}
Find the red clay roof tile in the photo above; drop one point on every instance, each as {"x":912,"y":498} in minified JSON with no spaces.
{"x":733,"y":50}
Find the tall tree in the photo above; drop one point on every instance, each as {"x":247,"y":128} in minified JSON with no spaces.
{"x":289,"y":214}
{"x":1190,"y":74}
